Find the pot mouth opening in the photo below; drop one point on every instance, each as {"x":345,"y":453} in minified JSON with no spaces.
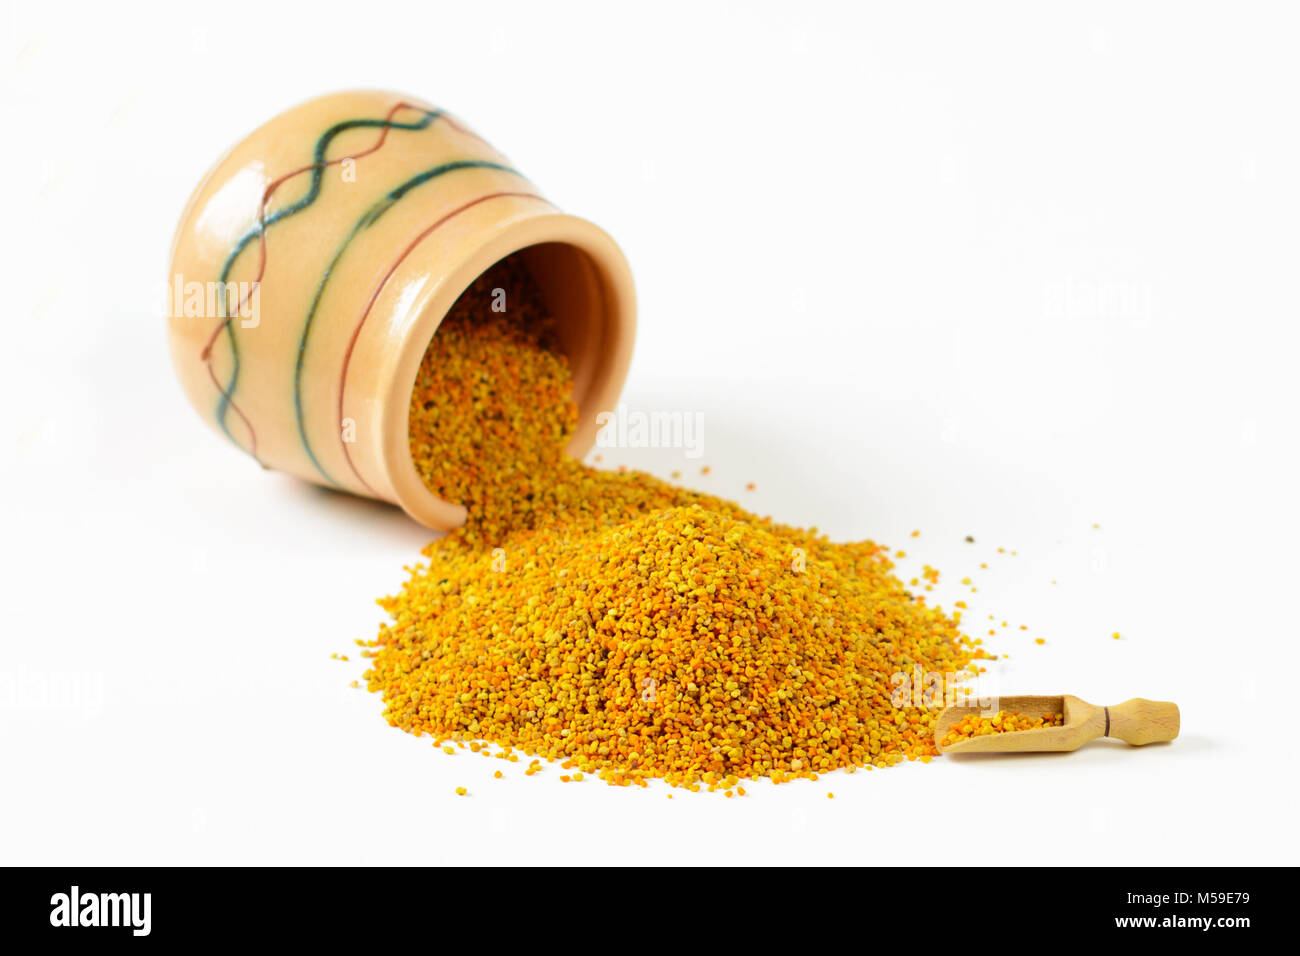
{"x":584,"y":285}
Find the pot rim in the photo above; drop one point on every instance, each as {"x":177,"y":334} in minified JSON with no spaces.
{"x":602,"y":387}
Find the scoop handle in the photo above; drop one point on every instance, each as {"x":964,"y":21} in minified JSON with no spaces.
{"x":1140,"y":721}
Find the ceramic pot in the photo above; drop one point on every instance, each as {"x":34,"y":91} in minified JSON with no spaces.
{"x":315,"y":261}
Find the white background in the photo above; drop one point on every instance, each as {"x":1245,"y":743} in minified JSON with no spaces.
{"x":1007,"y":272}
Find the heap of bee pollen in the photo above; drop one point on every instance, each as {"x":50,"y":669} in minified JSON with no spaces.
{"x":622,"y":625}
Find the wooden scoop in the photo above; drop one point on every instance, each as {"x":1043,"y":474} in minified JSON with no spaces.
{"x":1137,"y":721}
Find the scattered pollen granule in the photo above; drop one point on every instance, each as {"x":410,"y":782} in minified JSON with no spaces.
{"x":1004,"y":722}
{"x":627,"y":627}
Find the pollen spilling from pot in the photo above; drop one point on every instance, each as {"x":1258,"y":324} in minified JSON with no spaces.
{"x":630,"y":628}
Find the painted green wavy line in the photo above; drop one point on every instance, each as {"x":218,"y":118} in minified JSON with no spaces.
{"x":313,"y":191}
